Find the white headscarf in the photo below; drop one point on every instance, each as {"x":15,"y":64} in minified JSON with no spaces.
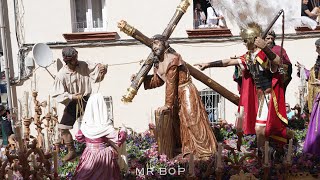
{"x":95,"y":122}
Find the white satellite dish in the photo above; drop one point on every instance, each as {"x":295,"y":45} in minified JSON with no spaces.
{"x":42,"y":55}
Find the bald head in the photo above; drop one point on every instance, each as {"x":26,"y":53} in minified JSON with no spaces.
{"x":68,"y":53}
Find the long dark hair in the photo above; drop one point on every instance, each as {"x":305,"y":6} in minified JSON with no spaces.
{"x":165,"y":42}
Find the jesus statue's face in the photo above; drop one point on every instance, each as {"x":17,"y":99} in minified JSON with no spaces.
{"x":158,"y":47}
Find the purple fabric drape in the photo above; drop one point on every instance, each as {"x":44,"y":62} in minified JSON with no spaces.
{"x":312,"y":141}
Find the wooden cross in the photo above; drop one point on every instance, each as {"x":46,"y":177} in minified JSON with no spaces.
{"x":147,"y":65}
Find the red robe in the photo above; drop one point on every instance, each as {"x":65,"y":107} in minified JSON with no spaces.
{"x":277,"y":119}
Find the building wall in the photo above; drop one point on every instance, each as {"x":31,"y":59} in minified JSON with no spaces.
{"x":46,"y":20}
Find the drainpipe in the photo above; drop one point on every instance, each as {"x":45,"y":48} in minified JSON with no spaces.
{"x":5,"y":56}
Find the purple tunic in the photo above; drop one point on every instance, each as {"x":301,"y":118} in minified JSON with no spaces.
{"x":312,"y":141}
{"x":99,"y":159}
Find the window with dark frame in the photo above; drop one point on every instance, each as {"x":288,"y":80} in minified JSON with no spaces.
{"x":88,"y":16}
{"x":214,"y":105}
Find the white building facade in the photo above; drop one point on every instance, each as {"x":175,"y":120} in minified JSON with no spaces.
{"x":45,"y":21}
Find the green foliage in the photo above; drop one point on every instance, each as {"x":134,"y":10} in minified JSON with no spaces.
{"x":300,"y":135}
{"x":224,"y":132}
{"x":298,"y":124}
{"x":67,"y":169}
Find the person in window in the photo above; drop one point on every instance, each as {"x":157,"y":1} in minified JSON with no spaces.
{"x":199,"y":16}
{"x":215,"y":18}
{"x":306,"y":12}
{"x":309,"y":18}
{"x":6,"y":127}
{"x":99,"y":159}
{"x":312,"y":144}
{"x":72,"y":88}
{"x":182,"y":99}
{"x":261,"y":92}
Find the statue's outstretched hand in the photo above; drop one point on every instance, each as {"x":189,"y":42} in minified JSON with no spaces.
{"x":162,"y":109}
{"x":103,"y":68}
{"x":202,"y":66}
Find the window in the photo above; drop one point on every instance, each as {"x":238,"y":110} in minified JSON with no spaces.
{"x":214,"y":104}
{"x":205,"y":15}
{"x":309,"y":16}
{"x":205,"y":21}
{"x":88,"y":15}
{"x":108,"y":100}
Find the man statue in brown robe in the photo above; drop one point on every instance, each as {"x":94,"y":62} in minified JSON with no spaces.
{"x":182,"y":98}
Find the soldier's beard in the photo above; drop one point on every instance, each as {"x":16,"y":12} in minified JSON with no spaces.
{"x":270,"y":45}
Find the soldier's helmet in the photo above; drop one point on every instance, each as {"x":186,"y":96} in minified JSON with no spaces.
{"x":250,"y":33}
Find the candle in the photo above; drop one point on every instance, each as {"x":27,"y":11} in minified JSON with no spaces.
{"x":191,"y":165}
{"x":55,"y":161}
{"x":49,"y":104}
{"x":240,"y":119}
{"x":19,"y":137}
{"x":56,"y":134}
{"x":26,"y":102}
{"x":219,"y":163}
{"x":3,"y":154}
{"x":266,"y":152}
{"x":35,"y":80}
{"x":46,"y":140}
{"x":10,"y":174}
{"x":55,"y":104}
{"x":19,"y":110}
{"x":152,"y":116}
{"x":31,"y":82}
{"x":289,"y":151}
{"x":219,"y":111}
{"x":20,"y":118}
{"x":33,"y":160}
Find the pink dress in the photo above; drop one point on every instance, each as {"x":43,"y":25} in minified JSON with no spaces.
{"x":99,"y":159}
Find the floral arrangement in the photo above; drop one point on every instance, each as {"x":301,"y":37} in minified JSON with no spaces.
{"x":145,"y":162}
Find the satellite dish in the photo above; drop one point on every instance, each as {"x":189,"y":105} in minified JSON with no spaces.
{"x":42,"y":55}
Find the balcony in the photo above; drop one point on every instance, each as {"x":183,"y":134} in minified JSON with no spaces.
{"x":86,"y":31}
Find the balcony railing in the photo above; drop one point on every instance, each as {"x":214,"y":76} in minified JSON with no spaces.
{"x":83,"y":26}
